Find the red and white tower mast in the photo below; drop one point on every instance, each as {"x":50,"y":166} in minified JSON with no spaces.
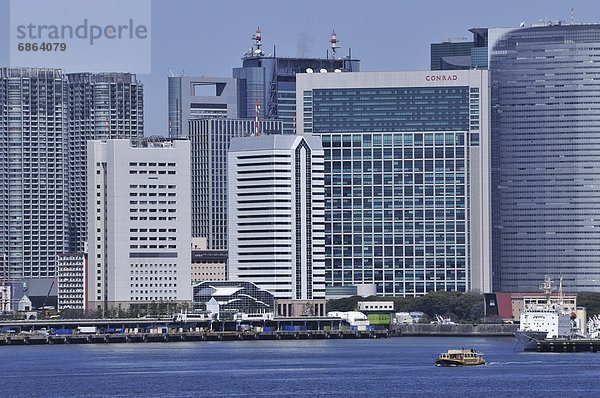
{"x":334,"y":44}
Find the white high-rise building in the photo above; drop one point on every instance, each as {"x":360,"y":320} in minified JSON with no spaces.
{"x":71,"y":275}
{"x":276,"y":215}
{"x":139,"y":210}
{"x":210,"y":141}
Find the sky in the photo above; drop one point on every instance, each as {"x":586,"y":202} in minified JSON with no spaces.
{"x":208,"y":38}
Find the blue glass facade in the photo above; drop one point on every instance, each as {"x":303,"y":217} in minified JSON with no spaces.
{"x":442,"y":55}
{"x":397,"y":183}
{"x":395,"y":211}
{"x":391,"y":109}
{"x":272,"y":82}
{"x":545,"y":84}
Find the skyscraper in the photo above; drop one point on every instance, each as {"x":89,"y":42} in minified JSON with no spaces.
{"x":99,"y":106}
{"x":139,"y":223}
{"x":459,"y":54}
{"x":545,"y":91}
{"x":210,"y":140}
{"x":192,"y":98}
{"x":270,"y":81}
{"x":276,"y":214}
{"x":33,"y":186}
{"x":406,"y":177}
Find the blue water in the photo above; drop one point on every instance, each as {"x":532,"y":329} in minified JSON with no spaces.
{"x":394,"y":367}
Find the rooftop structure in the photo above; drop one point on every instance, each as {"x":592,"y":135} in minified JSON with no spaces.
{"x":271,"y":80}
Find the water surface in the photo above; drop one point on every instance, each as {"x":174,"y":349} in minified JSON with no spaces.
{"x":394,"y":367}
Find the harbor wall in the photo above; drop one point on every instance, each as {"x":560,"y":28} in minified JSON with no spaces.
{"x":422,"y":329}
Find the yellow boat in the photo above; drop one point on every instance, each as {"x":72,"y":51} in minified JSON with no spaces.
{"x":460,"y":357}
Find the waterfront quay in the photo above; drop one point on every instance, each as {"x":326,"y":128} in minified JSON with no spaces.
{"x":98,"y":338}
{"x":559,"y":345}
{"x":425,"y":329}
{"x":166,"y":330}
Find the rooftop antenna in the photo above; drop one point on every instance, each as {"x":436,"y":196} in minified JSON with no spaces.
{"x":256,"y":128}
{"x":257,"y":37}
{"x":572,"y":15}
{"x":547,"y":287}
{"x":171,"y":74}
{"x":560,"y":291}
{"x":334,"y":44}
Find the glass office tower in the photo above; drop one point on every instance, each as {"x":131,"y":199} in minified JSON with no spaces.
{"x":406,"y":187}
{"x":461,"y":55}
{"x":100,"y":106}
{"x":210,"y":140}
{"x":271,"y":81}
{"x":545,"y":84}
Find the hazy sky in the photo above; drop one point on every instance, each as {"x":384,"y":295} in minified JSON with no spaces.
{"x":209,"y":37}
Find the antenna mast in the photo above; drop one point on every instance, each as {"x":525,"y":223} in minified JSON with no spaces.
{"x":334,"y":44}
{"x":560,"y":292}
{"x":547,"y":288}
{"x":572,"y":15}
{"x":257,"y":37}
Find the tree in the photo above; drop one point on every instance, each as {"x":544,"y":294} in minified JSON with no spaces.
{"x":460,"y":307}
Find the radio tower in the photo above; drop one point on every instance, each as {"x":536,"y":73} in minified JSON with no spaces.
{"x":334,"y":44}
{"x":257,"y":37}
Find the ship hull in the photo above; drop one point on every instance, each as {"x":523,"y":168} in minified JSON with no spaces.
{"x":530,"y":338}
{"x":456,"y":362}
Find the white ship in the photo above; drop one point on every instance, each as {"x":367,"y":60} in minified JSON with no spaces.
{"x":545,"y":321}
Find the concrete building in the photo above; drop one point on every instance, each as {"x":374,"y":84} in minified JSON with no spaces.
{"x":139,"y":222}
{"x":276,"y":236}
{"x":338,"y":292}
{"x":210,"y":141}
{"x":376,"y":306}
{"x":72,"y":281}
{"x":406,"y":178}
{"x":545,"y":188}
{"x":192,"y":98}
{"x":33,"y":182}
{"x":270,"y":81}
{"x":210,"y":266}
{"x":509,"y":306}
{"x":5,"y":298}
{"x":299,"y":308}
{"x":100,"y":106}
{"x":207,"y":265}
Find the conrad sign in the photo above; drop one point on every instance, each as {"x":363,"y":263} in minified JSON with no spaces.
{"x":440,"y":78}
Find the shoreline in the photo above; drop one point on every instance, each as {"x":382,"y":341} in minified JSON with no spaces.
{"x":132,"y":338}
{"x":107,"y":331}
{"x":465,"y":330}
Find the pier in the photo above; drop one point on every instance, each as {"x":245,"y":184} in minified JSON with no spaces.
{"x":576,"y":345}
{"x":29,"y":339}
{"x":156,"y":330}
{"x":424,"y":329}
